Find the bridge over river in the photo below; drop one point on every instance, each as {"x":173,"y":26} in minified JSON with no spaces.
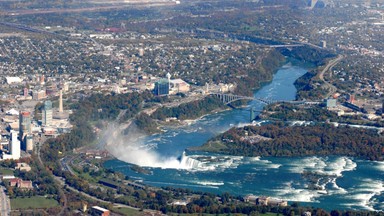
{"x":229,"y":98}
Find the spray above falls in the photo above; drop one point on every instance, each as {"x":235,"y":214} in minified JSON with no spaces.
{"x":130,"y":147}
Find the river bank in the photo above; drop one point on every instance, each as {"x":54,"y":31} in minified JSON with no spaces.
{"x":246,"y":83}
{"x":270,"y":176}
{"x":183,"y":115}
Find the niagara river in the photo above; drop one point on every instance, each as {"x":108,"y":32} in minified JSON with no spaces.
{"x":345,"y":182}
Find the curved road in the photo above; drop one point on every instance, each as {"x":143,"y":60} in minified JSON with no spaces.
{"x":61,"y":191}
{"x":117,"y":205}
{"x":332,"y":89}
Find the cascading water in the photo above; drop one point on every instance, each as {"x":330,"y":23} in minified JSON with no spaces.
{"x":187,"y":162}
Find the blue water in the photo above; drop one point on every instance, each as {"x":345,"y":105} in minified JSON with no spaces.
{"x":351,"y":183}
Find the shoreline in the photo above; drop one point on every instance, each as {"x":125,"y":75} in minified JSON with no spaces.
{"x":192,"y":121}
{"x":176,"y":124}
{"x":287,"y":61}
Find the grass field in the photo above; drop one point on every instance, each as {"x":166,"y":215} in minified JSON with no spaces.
{"x":6,"y":171}
{"x":212,"y":146}
{"x":126,"y":211}
{"x":33,"y":202}
{"x":197,"y":214}
{"x":268,"y":214}
{"x":238,"y":214}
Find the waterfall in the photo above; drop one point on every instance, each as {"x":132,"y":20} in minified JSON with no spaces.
{"x":187,"y":162}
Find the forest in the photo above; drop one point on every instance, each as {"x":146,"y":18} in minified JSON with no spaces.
{"x":286,"y":141}
{"x":191,"y":110}
{"x":107,"y":107}
{"x":308,"y":54}
{"x":254,"y":78}
{"x":290,"y":141}
{"x":286,"y":112}
{"x":317,"y":113}
{"x":306,"y":88}
{"x":144,"y":122}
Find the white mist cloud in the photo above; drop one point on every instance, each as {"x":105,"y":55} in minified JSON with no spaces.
{"x":130,"y":148}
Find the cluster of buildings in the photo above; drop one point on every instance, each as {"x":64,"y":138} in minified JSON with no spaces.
{"x":94,"y":210}
{"x":168,"y":86}
{"x":14,"y":148}
{"x":252,"y":139}
{"x":21,"y":139}
{"x":32,"y":88}
{"x":265,"y":201}
{"x":371,"y":110}
{"x":18,"y":182}
{"x":22,"y":130}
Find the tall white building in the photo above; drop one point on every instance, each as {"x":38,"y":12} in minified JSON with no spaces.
{"x":14,"y":147}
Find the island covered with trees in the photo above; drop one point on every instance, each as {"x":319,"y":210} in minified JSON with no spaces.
{"x":316,"y":113}
{"x":282,"y":140}
{"x":114,"y":187}
{"x":215,"y":42}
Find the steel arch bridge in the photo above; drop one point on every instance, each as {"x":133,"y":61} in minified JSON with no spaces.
{"x":229,"y":98}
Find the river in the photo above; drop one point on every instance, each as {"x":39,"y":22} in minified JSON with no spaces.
{"x":346,"y":183}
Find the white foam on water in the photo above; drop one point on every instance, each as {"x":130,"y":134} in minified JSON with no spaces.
{"x":209,"y":163}
{"x":241,"y":125}
{"x":298,"y":123}
{"x":275,"y":166}
{"x":335,"y":188}
{"x":189,"y":162}
{"x":379,"y":165}
{"x":288,"y":192}
{"x":323,"y":165}
{"x":182,"y":185}
{"x":266,"y":164}
{"x":307,"y":164}
{"x":252,"y":159}
{"x":269,"y":164}
{"x":361,"y":196}
{"x":225,"y":162}
{"x":173,"y":134}
{"x":209,"y":183}
{"x":364,"y":193}
{"x":332,"y":168}
{"x":237,"y":184}
{"x":193,"y":130}
{"x":340,"y":165}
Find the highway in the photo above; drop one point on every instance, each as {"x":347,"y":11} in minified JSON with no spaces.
{"x":286,"y":45}
{"x":332,"y":89}
{"x":29,"y":29}
{"x":123,"y":4}
{"x":65,"y":164}
{"x":5,"y":204}
{"x":58,"y":183}
{"x":61,"y":181}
